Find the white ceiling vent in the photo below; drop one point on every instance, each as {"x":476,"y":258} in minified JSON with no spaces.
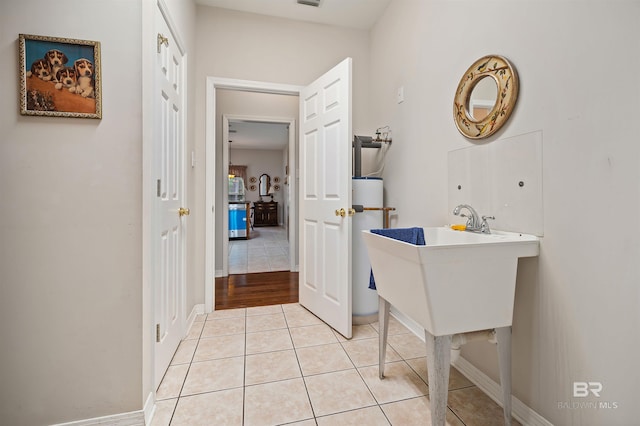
{"x":314,"y":3}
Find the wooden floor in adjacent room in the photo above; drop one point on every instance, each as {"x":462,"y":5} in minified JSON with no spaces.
{"x":261,"y":289}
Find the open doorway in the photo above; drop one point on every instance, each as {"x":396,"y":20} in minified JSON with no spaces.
{"x":217,"y":222}
{"x":256,"y":157}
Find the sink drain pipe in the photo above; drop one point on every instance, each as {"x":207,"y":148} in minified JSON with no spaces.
{"x":457,"y":340}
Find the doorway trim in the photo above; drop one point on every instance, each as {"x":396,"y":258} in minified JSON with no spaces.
{"x":292,"y":188}
{"x":212,"y":84}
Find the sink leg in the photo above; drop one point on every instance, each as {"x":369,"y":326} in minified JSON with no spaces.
{"x":383,"y":324}
{"x":503,"y":335}
{"x":438,"y":360}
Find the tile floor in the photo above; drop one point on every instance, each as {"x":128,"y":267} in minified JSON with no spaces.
{"x":266,"y":250}
{"x":280,"y":364}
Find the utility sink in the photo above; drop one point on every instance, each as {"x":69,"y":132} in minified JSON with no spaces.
{"x":458,"y":282}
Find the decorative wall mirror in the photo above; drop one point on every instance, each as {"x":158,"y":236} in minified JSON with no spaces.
{"x":265,"y":182}
{"x":485,"y":97}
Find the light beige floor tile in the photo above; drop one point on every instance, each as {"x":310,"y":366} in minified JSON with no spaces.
{"x":312,"y":335}
{"x":301,"y":318}
{"x":210,"y":376}
{"x":475,"y":408}
{"x":415,"y":412}
{"x":276,"y":403}
{"x":268,"y":341}
{"x":200,"y":317}
{"x":289,"y":308}
{"x":265,"y":322}
{"x":279,"y":262}
{"x":264,"y":310}
{"x":227,"y":313}
{"x":213,"y":408}
{"x":336,"y":392}
{"x":364,"y":352}
{"x":456,"y":379}
{"x":271,"y":367}
{"x":184,"y":353}
{"x":217,"y":347}
{"x":172,"y":382}
{"x":400,"y":382}
{"x":323,"y":359}
{"x":310,"y":422}
{"x":240,"y":269}
{"x":364,"y":331}
{"x":220,"y":327}
{"x":408,"y":345}
{"x":195,"y":331}
{"x":256,"y":267}
{"x":256,"y":251}
{"x":395,"y":326}
{"x":370,"y":416}
{"x":163,"y":412}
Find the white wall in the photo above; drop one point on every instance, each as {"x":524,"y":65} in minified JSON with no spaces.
{"x":259,"y":161}
{"x":577,"y":317}
{"x":70,"y":226}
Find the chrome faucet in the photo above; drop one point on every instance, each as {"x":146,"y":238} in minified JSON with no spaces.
{"x":473,"y":220}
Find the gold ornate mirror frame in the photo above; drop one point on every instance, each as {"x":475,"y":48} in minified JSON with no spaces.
{"x":506,"y":78}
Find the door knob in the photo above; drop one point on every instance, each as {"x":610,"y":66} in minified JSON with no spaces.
{"x":343,"y":212}
{"x":183,"y":211}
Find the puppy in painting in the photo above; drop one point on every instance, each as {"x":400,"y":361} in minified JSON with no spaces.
{"x":41,"y":69}
{"x":56,"y":60}
{"x":67,"y":79}
{"x":84,"y":75}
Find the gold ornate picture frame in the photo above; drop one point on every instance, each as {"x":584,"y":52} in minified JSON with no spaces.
{"x":60,"y":77}
{"x":499,"y":70}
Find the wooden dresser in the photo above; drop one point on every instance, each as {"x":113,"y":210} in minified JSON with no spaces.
{"x":265,"y":213}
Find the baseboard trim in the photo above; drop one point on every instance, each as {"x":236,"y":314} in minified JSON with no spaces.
{"x":134,"y":418}
{"x":519,"y":410}
{"x":149,"y":408}
{"x":219,"y":273}
{"x":197,"y":310}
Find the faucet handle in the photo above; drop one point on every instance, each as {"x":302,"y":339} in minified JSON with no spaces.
{"x":484,"y":227}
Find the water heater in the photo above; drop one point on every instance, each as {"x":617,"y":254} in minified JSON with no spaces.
{"x":367,"y":192}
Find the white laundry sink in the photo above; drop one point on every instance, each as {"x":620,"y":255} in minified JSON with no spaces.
{"x":458,"y":282}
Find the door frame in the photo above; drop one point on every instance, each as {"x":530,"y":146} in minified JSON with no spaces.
{"x":212,"y":84}
{"x":291,"y":122}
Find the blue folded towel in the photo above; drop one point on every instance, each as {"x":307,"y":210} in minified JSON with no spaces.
{"x":408,"y":235}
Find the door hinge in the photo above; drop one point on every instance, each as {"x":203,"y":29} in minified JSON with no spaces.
{"x":158,"y":333}
{"x":158,"y":187}
{"x":162,"y":40}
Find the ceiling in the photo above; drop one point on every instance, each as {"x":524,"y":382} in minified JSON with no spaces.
{"x":359,"y":14}
{"x":257,"y":135}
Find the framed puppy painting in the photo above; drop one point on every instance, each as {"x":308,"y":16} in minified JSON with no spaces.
{"x":60,"y":77}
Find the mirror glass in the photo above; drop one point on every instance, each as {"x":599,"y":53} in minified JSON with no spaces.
{"x":265,"y":181}
{"x":483,"y":98}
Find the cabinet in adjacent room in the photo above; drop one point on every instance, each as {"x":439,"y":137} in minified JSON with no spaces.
{"x":265,"y":213}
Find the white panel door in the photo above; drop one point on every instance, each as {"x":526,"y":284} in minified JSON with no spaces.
{"x":169,"y":242}
{"x":325,"y":189}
